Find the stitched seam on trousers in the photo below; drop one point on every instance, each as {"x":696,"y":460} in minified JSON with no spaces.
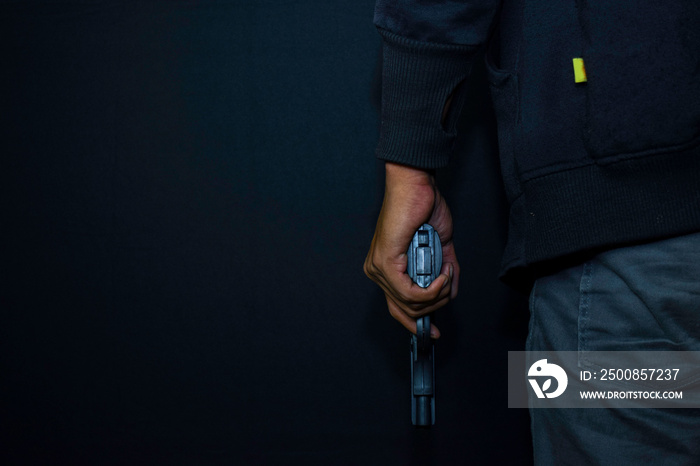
{"x":530,"y":333}
{"x":583,"y":309}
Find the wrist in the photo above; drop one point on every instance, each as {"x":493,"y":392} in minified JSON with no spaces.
{"x":405,"y":175}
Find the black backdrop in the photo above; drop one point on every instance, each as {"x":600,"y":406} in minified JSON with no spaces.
{"x":188,"y":193}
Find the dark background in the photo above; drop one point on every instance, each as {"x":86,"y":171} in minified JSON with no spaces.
{"x":188,"y":193}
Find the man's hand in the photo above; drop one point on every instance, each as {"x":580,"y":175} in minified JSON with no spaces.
{"x":410,"y":200}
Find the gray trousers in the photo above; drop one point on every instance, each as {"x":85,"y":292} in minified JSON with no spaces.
{"x":638,"y":298}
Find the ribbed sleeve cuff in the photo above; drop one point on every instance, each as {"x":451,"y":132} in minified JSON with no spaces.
{"x":417,"y":79}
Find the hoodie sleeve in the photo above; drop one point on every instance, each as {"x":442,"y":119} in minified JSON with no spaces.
{"x":428,"y":50}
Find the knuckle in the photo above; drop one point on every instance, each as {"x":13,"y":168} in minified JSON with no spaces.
{"x":367,"y":268}
{"x":394,"y":312}
{"x":370,"y":268}
{"x":415,"y":312}
{"x":415,"y":307}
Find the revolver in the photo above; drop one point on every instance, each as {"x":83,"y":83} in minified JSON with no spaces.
{"x":424,"y":264}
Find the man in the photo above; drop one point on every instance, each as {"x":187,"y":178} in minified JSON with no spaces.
{"x":598,"y":107}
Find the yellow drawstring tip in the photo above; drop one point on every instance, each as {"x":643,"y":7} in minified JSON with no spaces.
{"x":579,"y":71}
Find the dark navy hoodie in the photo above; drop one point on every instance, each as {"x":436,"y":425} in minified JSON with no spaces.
{"x":608,"y":162}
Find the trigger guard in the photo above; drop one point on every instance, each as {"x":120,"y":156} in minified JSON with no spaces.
{"x":423,"y":332}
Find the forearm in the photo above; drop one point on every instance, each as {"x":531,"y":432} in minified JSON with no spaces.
{"x":428,"y":51}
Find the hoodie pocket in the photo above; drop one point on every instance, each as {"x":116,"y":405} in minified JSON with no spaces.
{"x":504,"y":94}
{"x":643,"y":65}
